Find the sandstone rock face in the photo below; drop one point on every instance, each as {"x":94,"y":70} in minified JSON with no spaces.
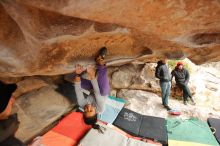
{"x":49,"y":37}
{"x":125,"y":76}
{"x":28,"y":85}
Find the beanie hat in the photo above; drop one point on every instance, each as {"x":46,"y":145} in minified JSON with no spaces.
{"x":179,"y":63}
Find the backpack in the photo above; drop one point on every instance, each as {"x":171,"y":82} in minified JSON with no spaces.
{"x":159,"y":63}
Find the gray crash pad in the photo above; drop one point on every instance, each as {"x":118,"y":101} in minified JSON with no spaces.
{"x":39,"y":109}
{"x":110,"y":138}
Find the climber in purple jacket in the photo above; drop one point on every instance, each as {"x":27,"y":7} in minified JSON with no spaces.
{"x":93,"y":104}
{"x":102,"y":75}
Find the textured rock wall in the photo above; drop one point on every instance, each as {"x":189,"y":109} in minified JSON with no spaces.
{"x":140,"y":76}
{"x":49,"y":37}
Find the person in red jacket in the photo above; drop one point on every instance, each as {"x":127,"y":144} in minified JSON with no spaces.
{"x":182,"y":79}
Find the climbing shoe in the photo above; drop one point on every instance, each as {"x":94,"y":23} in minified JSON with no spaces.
{"x":102,"y":53}
{"x":192,"y":100}
{"x":167,"y":107}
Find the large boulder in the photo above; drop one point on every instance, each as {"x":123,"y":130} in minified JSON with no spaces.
{"x":38,"y":109}
{"x":135,"y":75}
{"x":49,"y":37}
{"x":127,"y":75}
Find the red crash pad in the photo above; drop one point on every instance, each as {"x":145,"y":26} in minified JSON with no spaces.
{"x":72,"y":127}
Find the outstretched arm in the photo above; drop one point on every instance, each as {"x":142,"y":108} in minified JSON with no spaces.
{"x":77,"y":80}
{"x":100,"y":100}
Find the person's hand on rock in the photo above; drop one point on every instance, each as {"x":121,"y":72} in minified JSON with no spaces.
{"x":79,"y":69}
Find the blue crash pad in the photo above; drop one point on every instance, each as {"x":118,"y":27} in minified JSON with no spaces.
{"x":112,"y":109}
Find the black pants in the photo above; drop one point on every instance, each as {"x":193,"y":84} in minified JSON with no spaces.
{"x":186,"y":91}
{"x":8,"y":127}
{"x":12,"y":141}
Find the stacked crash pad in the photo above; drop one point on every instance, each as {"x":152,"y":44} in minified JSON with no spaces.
{"x":110,"y":137}
{"x":113,"y":107}
{"x":215,"y":124}
{"x":142,"y":126}
{"x":68,"y":132}
{"x":190,"y":132}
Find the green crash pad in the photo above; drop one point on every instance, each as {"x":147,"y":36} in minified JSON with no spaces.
{"x":190,"y":130}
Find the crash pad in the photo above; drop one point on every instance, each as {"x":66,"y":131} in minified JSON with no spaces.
{"x":112,"y":108}
{"x":184,"y":143}
{"x":129,"y":121}
{"x":68,"y":131}
{"x":130,"y":136}
{"x":215,"y":123}
{"x":110,"y":137}
{"x":192,"y":132}
{"x":142,"y":126}
{"x":52,"y":138}
{"x":154,"y":128}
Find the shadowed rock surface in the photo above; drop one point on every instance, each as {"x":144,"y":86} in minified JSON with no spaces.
{"x":39,"y":109}
{"x":49,"y":37}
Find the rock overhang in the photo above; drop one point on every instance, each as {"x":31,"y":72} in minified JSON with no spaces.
{"x":50,"y":37}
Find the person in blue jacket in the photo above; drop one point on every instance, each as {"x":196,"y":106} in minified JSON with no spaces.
{"x":162,"y":72}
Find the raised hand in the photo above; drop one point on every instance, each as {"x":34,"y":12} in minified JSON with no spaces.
{"x":91,"y":72}
{"x":79,"y":69}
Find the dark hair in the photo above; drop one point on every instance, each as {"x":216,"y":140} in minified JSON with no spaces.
{"x":160,"y":62}
{"x":92,"y":121}
{"x":6,"y":91}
